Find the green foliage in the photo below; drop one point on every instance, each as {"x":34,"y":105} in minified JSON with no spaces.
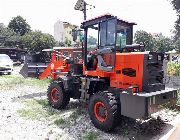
{"x":59,"y":121}
{"x":91,"y":40}
{"x":36,"y":110}
{"x":67,"y":42}
{"x":19,"y":25}
{"x":142,"y":37}
{"x":163,"y":44}
{"x":77,"y":113}
{"x":11,"y":81}
{"x":18,"y":34}
{"x":173,"y":69}
{"x":8,"y":37}
{"x":177,"y":45}
{"x":158,"y":44}
{"x":91,"y":136}
{"x":176,"y":6}
{"x":36,"y":41}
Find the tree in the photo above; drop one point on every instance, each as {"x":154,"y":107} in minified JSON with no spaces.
{"x":176,"y":6}
{"x":19,"y":25}
{"x":144,"y":38}
{"x":163,"y":44}
{"x":177,"y":45}
{"x":92,"y":40}
{"x":67,"y":42}
{"x":8,"y":38}
{"x":158,"y":44}
{"x":37,"y":41}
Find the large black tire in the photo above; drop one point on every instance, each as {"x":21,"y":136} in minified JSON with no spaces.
{"x":57,"y":98}
{"x":104,"y":110}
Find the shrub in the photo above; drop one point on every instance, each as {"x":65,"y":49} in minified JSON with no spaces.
{"x":173,"y":69}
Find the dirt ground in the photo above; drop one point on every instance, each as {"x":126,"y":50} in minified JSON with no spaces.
{"x":25,"y":114}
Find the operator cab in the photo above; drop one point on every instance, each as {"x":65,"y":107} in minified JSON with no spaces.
{"x":104,"y":36}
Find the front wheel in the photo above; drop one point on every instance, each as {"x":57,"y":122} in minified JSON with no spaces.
{"x":104,"y":111}
{"x":9,"y":73}
{"x":57,"y":97}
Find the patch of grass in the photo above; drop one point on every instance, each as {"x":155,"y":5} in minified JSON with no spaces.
{"x":60,"y":121}
{"x":43,"y":103}
{"x":91,"y":136}
{"x":9,"y":81}
{"x":28,"y":113}
{"x":36,"y":110}
{"x":77,"y":113}
{"x":36,"y":82}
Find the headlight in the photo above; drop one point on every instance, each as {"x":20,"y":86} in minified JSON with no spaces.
{"x":150,"y":57}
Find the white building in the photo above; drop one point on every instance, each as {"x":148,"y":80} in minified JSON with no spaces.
{"x":63,"y":31}
{"x":59,"y":31}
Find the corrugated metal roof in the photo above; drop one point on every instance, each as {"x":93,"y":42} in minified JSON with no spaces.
{"x":109,"y":15}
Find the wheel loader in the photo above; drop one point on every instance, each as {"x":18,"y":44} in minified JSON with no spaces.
{"x":116,"y":78}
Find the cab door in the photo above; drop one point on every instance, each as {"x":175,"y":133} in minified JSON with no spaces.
{"x":106,"y":52}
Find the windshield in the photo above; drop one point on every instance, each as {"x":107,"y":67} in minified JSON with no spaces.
{"x":107,"y":33}
{"x":124,"y":36}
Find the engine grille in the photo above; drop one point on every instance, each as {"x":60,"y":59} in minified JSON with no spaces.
{"x":153,"y":72}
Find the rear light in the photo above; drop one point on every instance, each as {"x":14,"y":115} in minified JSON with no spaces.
{"x":135,"y":90}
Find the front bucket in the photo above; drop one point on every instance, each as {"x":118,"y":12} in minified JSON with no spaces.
{"x":33,"y":69}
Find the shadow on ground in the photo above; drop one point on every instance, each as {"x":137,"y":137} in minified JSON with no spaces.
{"x":142,"y":129}
{"x":29,"y":96}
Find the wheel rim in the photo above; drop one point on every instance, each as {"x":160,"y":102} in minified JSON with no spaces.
{"x":54,"y":94}
{"x":100,"y":111}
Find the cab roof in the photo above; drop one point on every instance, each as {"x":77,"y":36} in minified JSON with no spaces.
{"x":104,"y":17}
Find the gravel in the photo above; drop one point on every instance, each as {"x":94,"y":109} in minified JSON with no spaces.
{"x":77,"y":126}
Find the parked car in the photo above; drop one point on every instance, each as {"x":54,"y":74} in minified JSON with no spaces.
{"x":6,"y":64}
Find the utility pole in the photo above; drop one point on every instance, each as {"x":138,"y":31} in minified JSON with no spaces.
{"x":84,"y":10}
{"x":81,"y":5}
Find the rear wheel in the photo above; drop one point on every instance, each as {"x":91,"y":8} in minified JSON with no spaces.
{"x":104,"y":110}
{"x":57,"y":97}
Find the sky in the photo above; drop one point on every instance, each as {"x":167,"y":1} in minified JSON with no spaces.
{"x":153,"y":16}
